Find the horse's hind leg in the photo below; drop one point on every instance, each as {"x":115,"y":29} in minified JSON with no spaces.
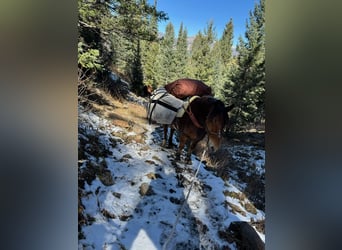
{"x":169,"y":140}
{"x":172,"y":130}
{"x":165,"y":135}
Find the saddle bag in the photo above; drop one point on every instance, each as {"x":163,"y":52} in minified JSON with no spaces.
{"x":183,"y":88}
{"x":163,"y":107}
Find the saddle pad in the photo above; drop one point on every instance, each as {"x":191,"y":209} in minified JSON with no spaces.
{"x":183,"y":88}
{"x":163,"y":107}
{"x":185,"y":105}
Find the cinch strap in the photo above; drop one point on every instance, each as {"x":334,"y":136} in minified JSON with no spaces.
{"x":165,"y":105}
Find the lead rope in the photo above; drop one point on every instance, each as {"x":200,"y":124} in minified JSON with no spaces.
{"x":180,"y":211}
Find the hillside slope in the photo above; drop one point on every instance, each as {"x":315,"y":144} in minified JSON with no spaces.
{"x":131,"y":190}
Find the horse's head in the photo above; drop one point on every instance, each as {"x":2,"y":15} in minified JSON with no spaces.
{"x":216,"y":121}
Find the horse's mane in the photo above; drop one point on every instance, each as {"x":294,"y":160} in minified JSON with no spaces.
{"x":208,"y":107}
{"x":217,"y":108}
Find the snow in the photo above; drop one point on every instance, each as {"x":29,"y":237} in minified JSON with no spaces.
{"x":145,"y":222}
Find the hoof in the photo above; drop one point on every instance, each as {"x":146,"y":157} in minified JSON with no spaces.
{"x":177,"y":157}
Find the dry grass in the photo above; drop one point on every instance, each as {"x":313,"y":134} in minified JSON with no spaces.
{"x":217,"y":162}
{"x":127,"y":115}
{"x":123,"y":114}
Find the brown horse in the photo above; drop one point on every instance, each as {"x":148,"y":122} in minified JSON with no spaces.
{"x":205,"y":115}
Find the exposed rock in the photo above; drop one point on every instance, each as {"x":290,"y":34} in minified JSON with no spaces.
{"x":107,"y":214}
{"x":153,"y":176}
{"x":117,"y":195}
{"x":125,"y":158}
{"x":150,"y":162}
{"x":175,"y":200}
{"x":236,"y":209}
{"x":125,"y":217}
{"x":145,"y":189}
{"x":106,"y":177}
{"x":245,"y":236}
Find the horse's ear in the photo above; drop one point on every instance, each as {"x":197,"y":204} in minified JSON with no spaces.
{"x":229,"y":108}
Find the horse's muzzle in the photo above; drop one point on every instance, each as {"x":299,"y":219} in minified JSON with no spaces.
{"x":214,"y":142}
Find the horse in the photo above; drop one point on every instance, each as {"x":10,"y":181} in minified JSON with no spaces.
{"x":182,"y":89}
{"x":204,"y":115}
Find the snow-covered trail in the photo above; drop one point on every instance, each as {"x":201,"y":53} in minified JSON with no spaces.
{"x":138,"y":207}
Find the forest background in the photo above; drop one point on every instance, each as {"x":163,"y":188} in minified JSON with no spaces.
{"x":121,"y":37}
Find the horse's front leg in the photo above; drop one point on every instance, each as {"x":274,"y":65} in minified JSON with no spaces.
{"x":188,"y":154}
{"x":182,"y":141}
{"x":190,"y":150}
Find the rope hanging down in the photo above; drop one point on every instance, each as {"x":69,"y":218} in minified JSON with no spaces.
{"x":181,"y":209}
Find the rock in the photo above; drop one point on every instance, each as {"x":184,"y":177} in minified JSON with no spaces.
{"x":125,"y":217}
{"x":117,"y":195}
{"x":126,"y":158}
{"x":106,"y":178}
{"x":175,"y":200}
{"x":150,"y":162}
{"x":108,"y":214}
{"x":245,"y":236}
{"x":145,"y":189}
{"x":151,"y":176}
{"x":154,"y":176}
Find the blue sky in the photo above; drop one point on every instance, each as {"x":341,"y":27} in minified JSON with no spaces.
{"x":195,"y":14}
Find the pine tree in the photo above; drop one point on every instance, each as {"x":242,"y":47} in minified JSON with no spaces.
{"x":166,"y":58}
{"x":109,"y":31}
{"x":196,"y":55}
{"x":228,"y":63}
{"x":181,"y":53}
{"x":150,"y":51}
{"x":249,"y":80}
{"x":226,"y":43}
{"x":201,"y":61}
{"x":216,"y":79}
{"x":221,"y":63}
{"x":136,"y":71}
{"x":211,"y":64}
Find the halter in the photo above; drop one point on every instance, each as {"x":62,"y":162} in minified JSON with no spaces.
{"x":219,"y":134}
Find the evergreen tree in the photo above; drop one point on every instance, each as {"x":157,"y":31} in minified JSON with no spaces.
{"x":226,"y":43}
{"x":195,"y":67}
{"x":166,"y":58}
{"x":217,"y":79}
{"x":225,"y":89}
{"x":211,"y":62}
{"x":109,"y":30}
{"x":136,"y":71}
{"x":181,"y":53}
{"x":249,"y":80}
{"x":150,"y":51}
{"x":201,"y":61}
